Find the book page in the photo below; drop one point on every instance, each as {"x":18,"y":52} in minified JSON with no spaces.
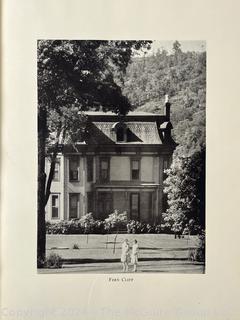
{"x":26,"y":294}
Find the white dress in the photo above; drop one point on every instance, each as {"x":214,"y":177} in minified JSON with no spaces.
{"x":134,"y":257}
{"x":125,"y":257}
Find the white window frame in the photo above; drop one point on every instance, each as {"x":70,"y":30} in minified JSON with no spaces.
{"x":58,"y":207}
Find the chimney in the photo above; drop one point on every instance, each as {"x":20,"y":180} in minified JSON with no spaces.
{"x":167,"y":107}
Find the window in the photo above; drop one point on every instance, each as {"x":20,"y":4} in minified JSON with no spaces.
{"x":120,"y":134}
{"x":55,"y":206}
{"x":135,"y":206}
{"x":165,"y":167}
{"x":74,"y":168}
{"x":104,"y":169}
{"x":90,"y":202}
{"x":165,"y":164}
{"x":119,"y":129}
{"x":135,"y":169}
{"x":73,"y":205}
{"x":56,"y":175}
{"x":104,"y":204}
{"x":89,"y":169}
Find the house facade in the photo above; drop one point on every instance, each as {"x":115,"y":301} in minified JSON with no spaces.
{"x":118,"y":166}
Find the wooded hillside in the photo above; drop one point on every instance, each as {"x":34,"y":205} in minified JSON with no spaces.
{"x":181,"y":75}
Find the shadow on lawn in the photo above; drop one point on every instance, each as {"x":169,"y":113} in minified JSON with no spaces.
{"x":166,"y":249}
{"x":88,"y":260}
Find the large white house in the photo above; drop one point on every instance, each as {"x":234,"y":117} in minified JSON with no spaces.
{"x":119,"y":165}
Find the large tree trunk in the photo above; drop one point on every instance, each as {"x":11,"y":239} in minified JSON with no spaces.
{"x":41,"y":226}
{"x":51,"y":174}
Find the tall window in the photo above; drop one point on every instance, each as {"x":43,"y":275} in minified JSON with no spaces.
{"x":135,"y":206}
{"x":165,"y":167}
{"x":73,"y":205}
{"x":74,"y":168}
{"x":104,"y":205}
{"x":55,"y":206}
{"x":90,"y":202}
{"x":89,"y":168}
{"x":164,"y":202}
{"x":135,"y":167}
{"x":104,"y":169}
{"x":56,"y":175}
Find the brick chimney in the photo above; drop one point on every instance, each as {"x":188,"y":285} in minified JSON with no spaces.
{"x":167,"y":107}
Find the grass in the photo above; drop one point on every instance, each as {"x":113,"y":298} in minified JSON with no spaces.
{"x":101,"y":247}
{"x":158,"y":253}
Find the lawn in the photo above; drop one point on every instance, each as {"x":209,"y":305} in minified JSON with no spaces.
{"x":95,"y":254}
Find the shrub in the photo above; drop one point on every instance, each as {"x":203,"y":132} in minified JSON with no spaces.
{"x":75,"y":246}
{"x":200,"y":254}
{"x":53,"y":261}
{"x":87,"y":222}
{"x":99,"y":227}
{"x":116,"y":221}
{"x":158,"y":228}
{"x":150,"y":228}
{"x":134,"y":226}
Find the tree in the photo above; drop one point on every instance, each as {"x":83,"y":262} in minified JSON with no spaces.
{"x":185,"y":188}
{"x":74,"y":76}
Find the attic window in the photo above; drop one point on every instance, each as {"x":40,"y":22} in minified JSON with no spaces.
{"x":120,"y":131}
{"x":120,"y":134}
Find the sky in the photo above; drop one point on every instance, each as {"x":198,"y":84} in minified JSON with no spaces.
{"x":186,"y":45}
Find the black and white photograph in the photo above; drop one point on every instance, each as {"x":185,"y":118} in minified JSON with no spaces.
{"x":121,"y":156}
{"x":119,"y":160}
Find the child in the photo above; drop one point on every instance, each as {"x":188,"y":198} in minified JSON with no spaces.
{"x":125,"y":257}
{"x":134,"y":258}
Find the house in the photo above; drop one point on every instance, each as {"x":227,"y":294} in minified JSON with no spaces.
{"x":119,"y":165}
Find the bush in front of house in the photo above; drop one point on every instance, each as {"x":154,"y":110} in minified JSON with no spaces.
{"x":134,"y":226}
{"x":59,"y":227}
{"x":99,"y":227}
{"x":114,"y":223}
{"x":88,"y":225}
{"x":87,"y":222}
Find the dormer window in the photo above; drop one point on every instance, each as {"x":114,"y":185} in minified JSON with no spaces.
{"x":120,"y":134}
{"x":119,"y":129}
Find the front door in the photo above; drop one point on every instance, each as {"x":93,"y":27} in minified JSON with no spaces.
{"x":135,"y":206}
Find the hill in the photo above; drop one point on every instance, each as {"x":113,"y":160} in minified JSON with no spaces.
{"x":181,"y":75}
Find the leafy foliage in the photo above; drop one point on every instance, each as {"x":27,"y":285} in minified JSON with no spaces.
{"x":141,"y":227}
{"x":181,"y":75}
{"x":53,"y":261}
{"x":116,"y":220}
{"x":185,"y":187}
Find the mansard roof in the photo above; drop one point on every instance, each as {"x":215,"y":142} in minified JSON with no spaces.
{"x":138,"y":132}
{"x":145,"y":131}
{"x":142,"y":128}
